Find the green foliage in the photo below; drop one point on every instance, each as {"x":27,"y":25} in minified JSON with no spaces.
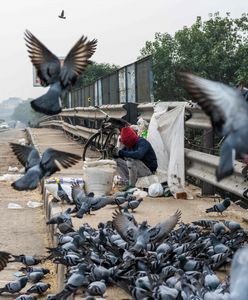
{"x":24,"y":113}
{"x":93,"y":72}
{"x":216,"y":49}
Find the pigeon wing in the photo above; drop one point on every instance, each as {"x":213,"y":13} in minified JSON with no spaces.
{"x":22,"y":152}
{"x":50,"y":156}
{"x":161,"y":230}
{"x":4,"y":259}
{"x":46,"y":63}
{"x":219,"y":101}
{"x":77,"y":60}
{"x":77,"y":193}
{"x":125,"y":227}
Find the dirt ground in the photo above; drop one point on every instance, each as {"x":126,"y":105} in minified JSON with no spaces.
{"x":22,"y":231}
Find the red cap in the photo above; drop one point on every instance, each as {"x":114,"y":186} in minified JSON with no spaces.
{"x":128,"y":137}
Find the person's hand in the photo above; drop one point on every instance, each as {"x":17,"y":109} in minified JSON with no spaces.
{"x":115,"y":152}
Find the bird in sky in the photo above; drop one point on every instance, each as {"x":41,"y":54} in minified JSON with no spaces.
{"x":228,"y":112}
{"x":62,"y":15}
{"x":51,"y":73}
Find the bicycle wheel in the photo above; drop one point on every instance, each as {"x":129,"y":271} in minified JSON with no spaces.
{"x":111,"y":143}
{"x":93,"y":147}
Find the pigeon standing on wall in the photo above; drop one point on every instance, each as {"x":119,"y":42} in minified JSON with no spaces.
{"x":51,"y":73}
{"x":229,"y":116}
{"x":62,"y":15}
{"x":37,"y":167}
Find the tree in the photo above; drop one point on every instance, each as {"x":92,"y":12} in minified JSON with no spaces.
{"x":93,"y":72}
{"x":24,"y":113}
{"x":216,"y":49}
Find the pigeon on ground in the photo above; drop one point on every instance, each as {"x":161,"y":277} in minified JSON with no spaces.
{"x":229,"y":116}
{"x":220,"y":207}
{"x":133,"y":204}
{"x":62,"y":194}
{"x":37,"y":167}
{"x":130,"y":232}
{"x":96,"y":288}
{"x":62,"y":15}
{"x":27,"y":260}
{"x":51,"y":73}
{"x":26,"y":297}
{"x":39,"y":288}
{"x":35,"y":277}
{"x":238,"y":278}
{"x":14,"y":286}
{"x":75,"y":281}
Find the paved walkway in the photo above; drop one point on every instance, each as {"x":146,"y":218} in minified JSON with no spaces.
{"x":153,"y":210}
{"x":22,"y":231}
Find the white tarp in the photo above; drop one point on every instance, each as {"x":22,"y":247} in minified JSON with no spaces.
{"x":166,"y":135}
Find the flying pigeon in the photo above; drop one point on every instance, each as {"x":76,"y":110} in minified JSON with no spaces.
{"x":229,"y":116}
{"x":238,"y":278}
{"x":62,"y":15}
{"x":51,"y":73}
{"x":37,"y":167}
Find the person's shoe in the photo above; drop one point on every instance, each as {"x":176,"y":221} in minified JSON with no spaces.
{"x":127,"y":187}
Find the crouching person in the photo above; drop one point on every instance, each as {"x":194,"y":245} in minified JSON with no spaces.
{"x":137,"y":158}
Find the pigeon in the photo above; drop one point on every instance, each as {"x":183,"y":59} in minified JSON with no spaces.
{"x":229,"y":117}
{"x":133,"y":204}
{"x":27,"y":260}
{"x":26,"y":297}
{"x":238,"y":277}
{"x":62,"y":194}
{"x":14,"y":286}
{"x":37,"y":167}
{"x":4,"y":259}
{"x":35,"y":277}
{"x":39,"y":288}
{"x":51,"y":73}
{"x":96,"y":288}
{"x":75,"y":281}
{"x":220,"y":207}
{"x":131,"y":233}
{"x":62,"y":15}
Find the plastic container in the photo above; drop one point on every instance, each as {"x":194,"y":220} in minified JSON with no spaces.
{"x":99,"y":176}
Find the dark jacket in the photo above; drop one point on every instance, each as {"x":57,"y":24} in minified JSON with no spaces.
{"x":143,"y":151}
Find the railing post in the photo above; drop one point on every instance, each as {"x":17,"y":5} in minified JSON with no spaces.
{"x":208,"y":142}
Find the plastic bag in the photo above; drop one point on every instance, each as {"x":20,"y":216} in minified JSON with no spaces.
{"x":155,"y":190}
{"x":14,"y":206}
{"x":34,"y":204}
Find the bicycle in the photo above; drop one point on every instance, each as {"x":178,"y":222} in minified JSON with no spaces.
{"x":101,"y":144}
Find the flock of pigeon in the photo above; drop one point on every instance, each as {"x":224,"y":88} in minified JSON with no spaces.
{"x":158,"y":262}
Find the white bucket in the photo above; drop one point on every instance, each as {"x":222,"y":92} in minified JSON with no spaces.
{"x":99,"y":176}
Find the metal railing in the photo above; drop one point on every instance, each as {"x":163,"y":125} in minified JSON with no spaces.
{"x":83,"y":122}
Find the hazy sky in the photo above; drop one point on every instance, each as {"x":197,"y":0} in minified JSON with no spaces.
{"x":121,"y":26}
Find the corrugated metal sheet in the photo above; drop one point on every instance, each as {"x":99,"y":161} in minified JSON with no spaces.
{"x":113,"y":88}
{"x":105,"y":89}
{"x":99,"y":86}
{"x":131,"y":89}
{"x":122,"y":85}
{"x":144,"y":81}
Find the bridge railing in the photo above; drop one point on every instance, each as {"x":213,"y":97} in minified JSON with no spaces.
{"x":200,"y":142}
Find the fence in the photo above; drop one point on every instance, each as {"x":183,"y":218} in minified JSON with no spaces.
{"x":130,"y":84}
{"x":82,"y":122}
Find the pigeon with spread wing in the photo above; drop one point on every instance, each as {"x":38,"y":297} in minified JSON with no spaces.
{"x":228,"y":112}
{"x":37,"y":167}
{"x":51,"y":73}
{"x":140,"y":235}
